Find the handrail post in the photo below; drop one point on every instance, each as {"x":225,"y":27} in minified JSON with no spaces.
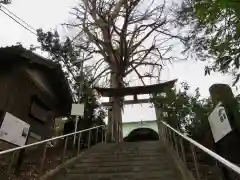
{"x":164,"y":134}
{"x":43,"y":158}
{"x":195,"y":161}
{"x":183,"y":151}
{"x":89,"y":138}
{"x":105,"y":133}
{"x":9,"y":168}
{"x":79,"y":142}
{"x":64,"y":149}
{"x":96,"y":135}
{"x":176,"y":143}
{"x":170,"y":138}
{"x":103,"y":130}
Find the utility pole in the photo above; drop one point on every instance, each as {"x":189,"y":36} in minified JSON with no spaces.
{"x":80,"y":90}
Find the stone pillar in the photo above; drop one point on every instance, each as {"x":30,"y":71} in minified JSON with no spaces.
{"x":117,"y":119}
{"x":110,"y":137}
{"x":159,"y":119}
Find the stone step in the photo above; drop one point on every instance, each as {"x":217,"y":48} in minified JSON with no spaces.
{"x":165,"y":175}
{"x":128,"y":149}
{"x":133,"y":149}
{"x":117,"y":168}
{"x":123,"y":163}
{"x":107,"y":151}
{"x":145,"y":145}
{"x":127,"y":159}
{"x":136,"y":155}
{"x":140,"y":152}
{"x":139,"y":143}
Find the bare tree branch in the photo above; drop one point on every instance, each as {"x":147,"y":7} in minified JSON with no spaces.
{"x":126,"y":35}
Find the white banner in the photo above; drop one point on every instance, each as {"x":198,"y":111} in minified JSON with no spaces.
{"x":14,"y":130}
{"x":77,"y":109}
{"x":219,"y":123}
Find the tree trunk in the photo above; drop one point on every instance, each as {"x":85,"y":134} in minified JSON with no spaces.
{"x":115,"y":119}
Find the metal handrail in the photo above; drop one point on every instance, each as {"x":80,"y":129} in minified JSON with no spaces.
{"x":47,"y":140}
{"x":220,"y":159}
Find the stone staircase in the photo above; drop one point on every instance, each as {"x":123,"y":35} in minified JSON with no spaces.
{"x":132,"y":160}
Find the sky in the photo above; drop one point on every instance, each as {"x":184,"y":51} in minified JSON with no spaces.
{"x":50,"y":14}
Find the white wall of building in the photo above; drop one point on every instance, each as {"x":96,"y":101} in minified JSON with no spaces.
{"x":130,"y":126}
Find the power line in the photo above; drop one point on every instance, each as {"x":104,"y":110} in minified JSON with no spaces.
{"x":33,"y":31}
{"x":18,"y":22}
{"x":17,"y":17}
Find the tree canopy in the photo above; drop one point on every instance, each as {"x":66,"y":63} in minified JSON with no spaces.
{"x":125,"y":36}
{"x":214,"y":28}
{"x":185,"y":111}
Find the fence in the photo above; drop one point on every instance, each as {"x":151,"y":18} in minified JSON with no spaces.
{"x":42,"y":156}
{"x":202,"y":162}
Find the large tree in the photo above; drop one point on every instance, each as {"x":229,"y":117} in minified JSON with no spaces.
{"x":214,"y":27}
{"x":125,"y":37}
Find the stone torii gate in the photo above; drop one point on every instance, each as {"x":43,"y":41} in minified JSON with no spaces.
{"x":114,"y":128}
